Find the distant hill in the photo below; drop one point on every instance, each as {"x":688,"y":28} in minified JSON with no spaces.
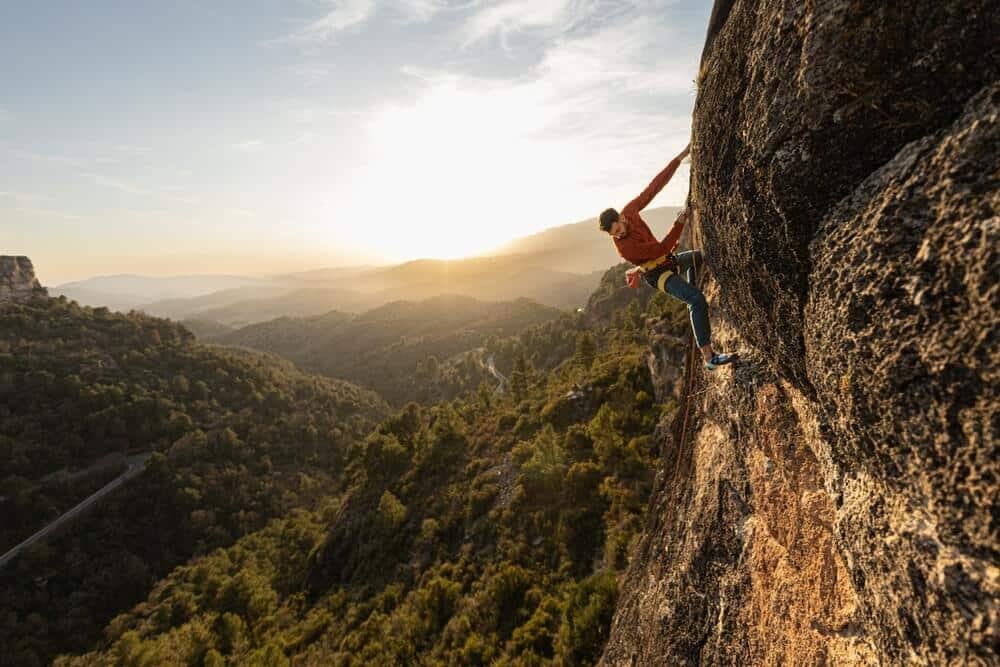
{"x":538,"y":275}
{"x":96,"y":298}
{"x":315,"y":276}
{"x":558,"y":267}
{"x":153,"y":288}
{"x":502,"y":277}
{"x":388,"y":348}
{"x":497,"y":278}
{"x":249,"y":305}
{"x":580,"y":247}
{"x":205,"y":328}
{"x":189,"y":306}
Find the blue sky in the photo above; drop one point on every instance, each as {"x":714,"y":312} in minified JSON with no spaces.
{"x":259,"y":136}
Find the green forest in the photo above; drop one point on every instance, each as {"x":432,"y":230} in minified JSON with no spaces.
{"x":287,"y":518}
{"x":398,"y":349}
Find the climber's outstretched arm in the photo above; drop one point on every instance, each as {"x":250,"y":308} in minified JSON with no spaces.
{"x":657,"y":184}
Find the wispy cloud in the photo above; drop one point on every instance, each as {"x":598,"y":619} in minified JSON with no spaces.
{"x":582,"y":87}
{"x":249,"y":146}
{"x":509,"y":17}
{"x":31,"y":204}
{"x":552,"y":19}
{"x":420,"y":10}
{"x":51,"y":158}
{"x":587,"y":123}
{"x":115,"y":184}
{"x":634,"y":65}
{"x":342,"y":15}
{"x":166,"y":193}
{"x":311,"y":72}
{"x":99,"y":156}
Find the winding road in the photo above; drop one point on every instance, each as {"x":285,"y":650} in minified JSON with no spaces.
{"x":496,"y":374}
{"x":133,"y":466}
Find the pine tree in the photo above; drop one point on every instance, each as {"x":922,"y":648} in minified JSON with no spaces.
{"x":519,"y":377}
{"x":484,"y":395}
{"x":586,"y":349}
{"x":633,"y":316}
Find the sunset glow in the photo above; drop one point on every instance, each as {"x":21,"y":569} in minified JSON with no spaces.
{"x":288,"y":136}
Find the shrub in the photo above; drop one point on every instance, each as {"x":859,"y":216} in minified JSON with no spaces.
{"x":391,"y":512}
{"x":586,"y":621}
{"x":545,"y":469}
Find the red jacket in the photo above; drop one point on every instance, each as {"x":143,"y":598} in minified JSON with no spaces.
{"x":639,"y":245}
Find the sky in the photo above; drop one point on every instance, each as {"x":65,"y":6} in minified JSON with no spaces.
{"x":260,"y":136}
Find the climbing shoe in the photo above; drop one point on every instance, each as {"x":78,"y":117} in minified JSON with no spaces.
{"x":720,"y":360}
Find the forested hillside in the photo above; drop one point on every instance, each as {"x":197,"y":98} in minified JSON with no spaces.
{"x":397,"y":349}
{"x":487,"y":529}
{"x":240,"y":438}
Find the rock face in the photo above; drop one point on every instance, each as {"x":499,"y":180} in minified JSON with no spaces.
{"x":17,"y":279}
{"x":905,"y":366}
{"x":739,"y":562}
{"x":798,"y":103}
{"x":836,"y":502}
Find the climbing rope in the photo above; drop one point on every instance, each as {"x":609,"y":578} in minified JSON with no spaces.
{"x":689,"y":385}
{"x":720,"y":14}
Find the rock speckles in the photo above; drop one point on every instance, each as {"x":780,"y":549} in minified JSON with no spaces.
{"x":839,"y":498}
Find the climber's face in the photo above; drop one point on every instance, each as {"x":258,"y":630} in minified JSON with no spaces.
{"x":619,"y":230}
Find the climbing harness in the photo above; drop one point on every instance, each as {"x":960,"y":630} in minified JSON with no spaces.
{"x":668,"y":262}
{"x":669,"y":259}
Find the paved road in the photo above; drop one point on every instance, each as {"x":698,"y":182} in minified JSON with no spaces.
{"x":496,"y":374}
{"x":133,"y":466}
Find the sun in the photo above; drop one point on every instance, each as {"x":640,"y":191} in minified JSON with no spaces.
{"x":455,"y":174}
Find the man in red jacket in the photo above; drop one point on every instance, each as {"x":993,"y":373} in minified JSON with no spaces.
{"x":656,"y":262}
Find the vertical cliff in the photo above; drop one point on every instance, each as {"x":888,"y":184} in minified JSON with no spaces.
{"x":17,"y":279}
{"x":836,"y":502}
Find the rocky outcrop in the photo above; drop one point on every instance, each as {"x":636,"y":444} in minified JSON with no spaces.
{"x":17,"y":279}
{"x":837,"y":496}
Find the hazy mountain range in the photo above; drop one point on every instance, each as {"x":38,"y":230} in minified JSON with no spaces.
{"x":558,"y":267}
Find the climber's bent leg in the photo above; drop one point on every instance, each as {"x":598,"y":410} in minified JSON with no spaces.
{"x":673,"y":285}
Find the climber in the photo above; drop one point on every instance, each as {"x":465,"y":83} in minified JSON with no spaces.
{"x":656,"y":262}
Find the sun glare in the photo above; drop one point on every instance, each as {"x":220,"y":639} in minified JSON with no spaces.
{"x":456,"y":173}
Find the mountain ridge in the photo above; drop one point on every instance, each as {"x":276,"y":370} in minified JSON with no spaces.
{"x":559,"y":267}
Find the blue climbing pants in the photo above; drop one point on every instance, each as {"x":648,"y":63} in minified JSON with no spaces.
{"x":665,"y":280}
